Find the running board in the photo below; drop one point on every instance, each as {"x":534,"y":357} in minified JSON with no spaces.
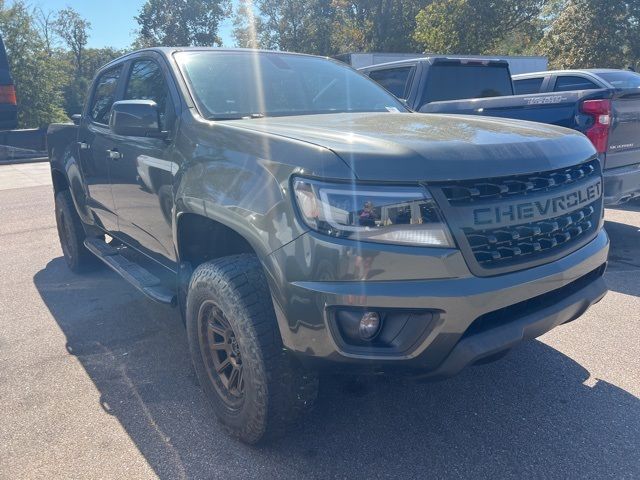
{"x":133,"y":273}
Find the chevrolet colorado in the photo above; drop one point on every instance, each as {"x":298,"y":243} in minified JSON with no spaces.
{"x":301,"y":218}
{"x":607,"y":113}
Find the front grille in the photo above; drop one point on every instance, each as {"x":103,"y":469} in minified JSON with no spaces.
{"x":492,"y":248}
{"x":497,"y":243}
{"x":467,"y":192}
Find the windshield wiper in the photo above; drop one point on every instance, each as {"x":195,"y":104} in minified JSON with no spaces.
{"x":235,"y":116}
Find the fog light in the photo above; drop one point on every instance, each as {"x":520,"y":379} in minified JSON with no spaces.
{"x":369,"y":325}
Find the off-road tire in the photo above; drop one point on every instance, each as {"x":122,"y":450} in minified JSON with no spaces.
{"x":72,"y":235}
{"x":277,"y":390}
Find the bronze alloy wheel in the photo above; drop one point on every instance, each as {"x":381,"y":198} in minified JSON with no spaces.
{"x":221,"y":354}
{"x":256,"y":388}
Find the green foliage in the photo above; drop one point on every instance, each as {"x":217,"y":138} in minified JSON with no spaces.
{"x":593,"y":33}
{"x":51,"y":82}
{"x":38,"y":78}
{"x":293,"y":25}
{"x":246,"y":25}
{"x":181,"y":23}
{"x":78,"y":81}
{"x":379,"y":26}
{"x":474,"y":26}
{"x":52,"y":66}
{"x":327,"y":27}
{"x":74,"y":32}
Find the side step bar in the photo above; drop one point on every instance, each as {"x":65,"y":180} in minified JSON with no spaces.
{"x":133,"y":273}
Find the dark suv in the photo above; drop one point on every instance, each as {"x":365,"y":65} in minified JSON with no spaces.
{"x":8,"y":108}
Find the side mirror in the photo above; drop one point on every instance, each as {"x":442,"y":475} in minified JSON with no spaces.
{"x":76,"y":118}
{"x":136,"y":118}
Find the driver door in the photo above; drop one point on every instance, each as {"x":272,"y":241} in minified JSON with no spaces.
{"x":142,"y":169}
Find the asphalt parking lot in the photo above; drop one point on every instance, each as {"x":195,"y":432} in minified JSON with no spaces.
{"x":95,"y":381}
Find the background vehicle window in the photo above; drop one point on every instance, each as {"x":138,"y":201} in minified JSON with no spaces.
{"x":147,"y":82}
{"x":621,"y":79}
{"x":104,"y":95}
{"x":527,"y":85}
{"x":567,"y":83}
{"x":458,"y":81}
{"x":393,"y":79}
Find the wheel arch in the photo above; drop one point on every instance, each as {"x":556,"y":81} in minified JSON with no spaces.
{"x":200,"y":238}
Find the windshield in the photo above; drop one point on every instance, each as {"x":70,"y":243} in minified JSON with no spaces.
{"x":621,"y":79}
{"x":229,"y":85}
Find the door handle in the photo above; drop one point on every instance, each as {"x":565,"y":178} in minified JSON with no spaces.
{"x":83,"y":146}
{"x":114,"y":154}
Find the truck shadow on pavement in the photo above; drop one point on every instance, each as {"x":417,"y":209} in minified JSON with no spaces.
{"x":530,"y":414}
{"x":624,"y":258}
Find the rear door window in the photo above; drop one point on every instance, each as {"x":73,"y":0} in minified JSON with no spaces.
{"x":567,"y":83}
{"x":527,"y":86}
{"x":459,"y":81}
{"x":104,"y":95}
{"x":395,"y":80}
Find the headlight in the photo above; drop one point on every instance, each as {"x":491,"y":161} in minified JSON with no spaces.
{"x":404,"y":215}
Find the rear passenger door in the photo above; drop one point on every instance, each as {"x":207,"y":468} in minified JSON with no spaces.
{"x":94,"y":142}
{"x":528,"y":86}
{"x":142,"y":171}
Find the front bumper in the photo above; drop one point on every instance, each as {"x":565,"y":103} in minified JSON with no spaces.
{"x":621,"y":184}
{"x":519,"y":305}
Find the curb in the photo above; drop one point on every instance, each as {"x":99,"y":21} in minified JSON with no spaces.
{"x":15,"y":161}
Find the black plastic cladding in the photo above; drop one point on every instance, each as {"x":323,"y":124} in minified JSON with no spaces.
{"x":493,"y":251}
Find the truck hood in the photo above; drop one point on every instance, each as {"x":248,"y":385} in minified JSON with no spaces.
{"x":428,"y":147}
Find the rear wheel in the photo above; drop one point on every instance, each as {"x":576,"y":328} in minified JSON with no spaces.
{"x":72,"y":235}
{"x":255,"y":387}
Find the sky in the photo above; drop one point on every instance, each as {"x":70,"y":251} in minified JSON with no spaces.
{"x":112,"y":22}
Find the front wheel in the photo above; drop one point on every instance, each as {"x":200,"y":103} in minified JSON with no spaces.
{"x":255,"y":387}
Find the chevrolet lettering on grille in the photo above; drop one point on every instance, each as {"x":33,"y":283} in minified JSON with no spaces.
{"x":538,"y":208}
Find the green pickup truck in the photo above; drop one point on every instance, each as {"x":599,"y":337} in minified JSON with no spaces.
{"x":303,"y":220}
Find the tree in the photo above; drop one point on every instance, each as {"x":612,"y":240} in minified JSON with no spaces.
{"x":37,"y":77}
{"x":45,"y":23}
{"x":293,"y":25}
{"x":593,"y":33}
{"x":181,"y":23}
{"x":247,"y":26}
{"x":76,"y":85}
{"x":94,"y":58}
{"x":473,"y":26}
{"x":327,"y":27}
{"x":381,"y":26}
{"x":74,"y":31}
